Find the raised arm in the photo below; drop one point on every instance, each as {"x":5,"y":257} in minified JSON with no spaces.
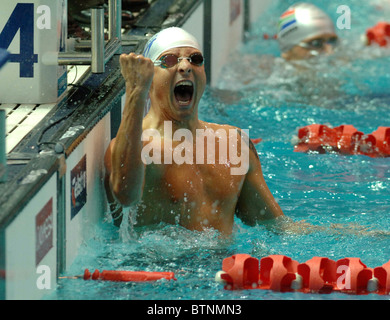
{"x":256,"y":202}
{"x":124,"y":167}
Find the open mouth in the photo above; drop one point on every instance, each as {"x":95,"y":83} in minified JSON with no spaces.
{"x":184,"y":92}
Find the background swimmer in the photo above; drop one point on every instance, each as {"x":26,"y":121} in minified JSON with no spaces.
{"x":298,"y":63}
{"x":304,"y":31}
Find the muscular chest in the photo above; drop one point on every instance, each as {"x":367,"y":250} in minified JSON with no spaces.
{"x":193,"y":195}
{"x":200,"y":182}
{"x":196,"y":169}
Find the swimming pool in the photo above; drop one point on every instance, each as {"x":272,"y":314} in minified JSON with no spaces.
{"x":272,"y":100}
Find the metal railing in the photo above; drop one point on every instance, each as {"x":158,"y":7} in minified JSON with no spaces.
{"x":100,"y":51}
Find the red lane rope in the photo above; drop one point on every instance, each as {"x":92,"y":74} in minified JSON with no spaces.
{"x":317,"y":275}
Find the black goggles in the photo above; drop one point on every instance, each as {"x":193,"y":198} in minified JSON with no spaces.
{"x":170,"y":60}
{"x":319,"y":43}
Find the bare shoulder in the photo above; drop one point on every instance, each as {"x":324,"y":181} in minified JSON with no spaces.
{"x":241,"y":135}
{"x":217,"y":126}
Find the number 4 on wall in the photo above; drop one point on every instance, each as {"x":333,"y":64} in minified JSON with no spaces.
{"x":22,"y":18}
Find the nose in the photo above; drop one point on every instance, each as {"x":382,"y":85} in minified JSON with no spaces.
{"x":185,"y":66}
{"x":328,"y":48}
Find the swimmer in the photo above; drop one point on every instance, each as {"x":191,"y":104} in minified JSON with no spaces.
{"x":169,"y":80}
{"x":305,"y":31}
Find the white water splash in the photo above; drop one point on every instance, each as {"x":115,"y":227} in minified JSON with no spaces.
{"x":129,"y":220}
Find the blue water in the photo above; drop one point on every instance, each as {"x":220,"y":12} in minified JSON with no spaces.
{"x":273,"y":99}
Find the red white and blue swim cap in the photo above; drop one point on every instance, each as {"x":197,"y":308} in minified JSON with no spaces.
{"x":167,"y":39}
{"x":302,"y":21}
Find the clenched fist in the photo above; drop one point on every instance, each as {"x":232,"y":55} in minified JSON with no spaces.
{"x":137,"y":71}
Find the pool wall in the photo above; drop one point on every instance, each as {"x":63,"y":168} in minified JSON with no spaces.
{"x":53,"y":199}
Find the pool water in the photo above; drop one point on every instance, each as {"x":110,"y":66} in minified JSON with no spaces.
{"x":273,"y":99}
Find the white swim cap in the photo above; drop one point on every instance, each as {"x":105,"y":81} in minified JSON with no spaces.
{"x":167,"y":39}
{"x":302,"y":21}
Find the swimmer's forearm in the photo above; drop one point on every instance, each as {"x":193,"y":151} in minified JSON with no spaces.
{"x":128,"y":170}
